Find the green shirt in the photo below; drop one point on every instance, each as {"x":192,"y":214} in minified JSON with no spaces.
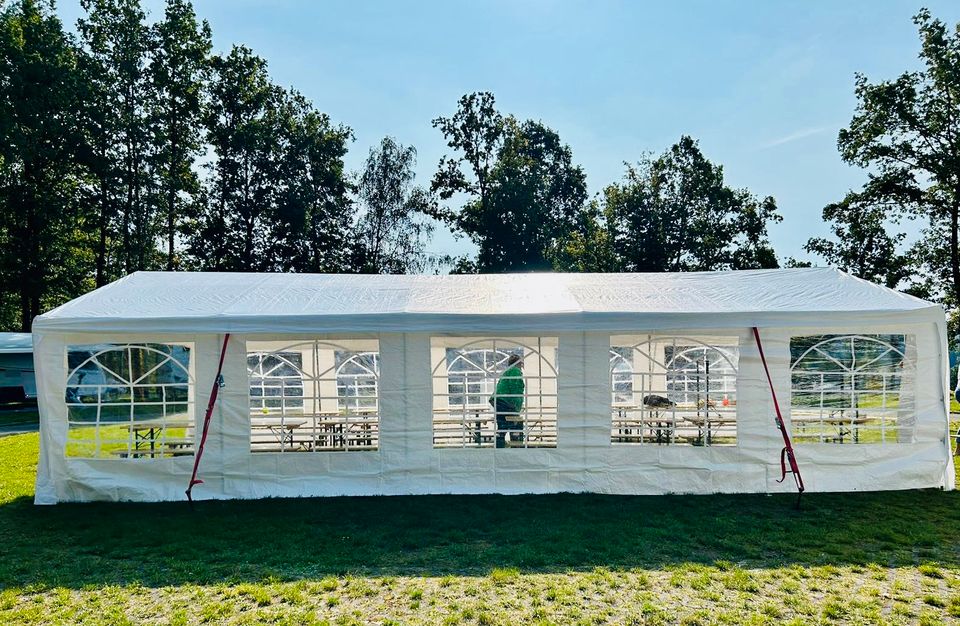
{"x":511,"y":384}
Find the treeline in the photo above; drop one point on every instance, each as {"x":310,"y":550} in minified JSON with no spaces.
{"x":132,"y":146}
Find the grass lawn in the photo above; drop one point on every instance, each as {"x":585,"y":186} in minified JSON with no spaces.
{"x":15,"y":415}
{"x":883,"y":558}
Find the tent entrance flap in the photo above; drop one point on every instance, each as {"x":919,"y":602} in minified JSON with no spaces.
{"x":786,"y":454}
{"x":214,"y":392}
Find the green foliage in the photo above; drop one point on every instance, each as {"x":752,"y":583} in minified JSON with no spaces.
{"x":391,"y":231}
{"x":178,"y":72}
{"x":524,"y":196}
{"x":864,"y":244}
{"x":117,"y":48}
{"x":675,"y":213}
{"x":242,"y":118}
{"x":41,"y":176}
{"x":276,"y":197}
{"x":98,"y":158}
{"x":310,"y":226}
{"x":905,"y":131}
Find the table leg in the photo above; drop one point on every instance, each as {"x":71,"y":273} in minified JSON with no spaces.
{"x":478,"y":429}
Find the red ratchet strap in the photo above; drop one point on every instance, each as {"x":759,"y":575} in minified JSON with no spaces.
{"x":786,"y":455}
{"x":217,"y":384}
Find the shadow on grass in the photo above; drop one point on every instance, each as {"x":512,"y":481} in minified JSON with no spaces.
{"x":170,"y":544}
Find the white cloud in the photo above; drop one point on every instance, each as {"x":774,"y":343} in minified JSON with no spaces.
{"x":795,"y":136}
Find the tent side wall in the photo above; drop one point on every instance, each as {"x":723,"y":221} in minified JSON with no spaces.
{"x":926,"y":461}
{"x":406,"y":461}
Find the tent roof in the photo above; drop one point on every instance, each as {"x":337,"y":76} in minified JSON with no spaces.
{"x":185,"y":302}
{"x":16,"y":343}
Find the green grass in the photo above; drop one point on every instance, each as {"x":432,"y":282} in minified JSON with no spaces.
{"x":874,"y":558}
{"x":19,"y":414}
{"x":107,"y":440}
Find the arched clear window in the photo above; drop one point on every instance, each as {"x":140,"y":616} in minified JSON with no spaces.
{"x":276,"y":383}
{"x":358,"y":376}
{"x":472,"y":374}
{"x":129,"y":401}
{"x":621,"y":375}
{"x":673,"y":390}
{"x":314,"y":395}
{"x":466,"y":372}
{"x":851,"y":389}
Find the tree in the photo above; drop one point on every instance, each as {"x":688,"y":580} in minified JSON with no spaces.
{"x":907,"y":132}
{"x":41,"y":225}
{"x":177,"y":73}
{"x":118,"y":48}
{"x":587,"y":249}
{"x":230,"y":234}
{"x":312,"y":224}
{"x":525,"y":197}
{"x":276,"y":194}
{"x":476,"y":132}
{"x":390,"y":230}
{"x":675,"y":213}
{"x":863,"y":244}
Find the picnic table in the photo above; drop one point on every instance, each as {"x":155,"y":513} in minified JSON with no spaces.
{"x":147,"y":433}
{"x":480,"y":424}
{"x":655,"y":418}
{"x":479,"y":437}
{"x":706,"y":425}
{"x":334,"y":430}
{"x":845,"y":426}
{"x":280,"y":427}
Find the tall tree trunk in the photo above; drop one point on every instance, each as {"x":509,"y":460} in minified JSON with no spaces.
{"x":954,"y":245}
{"x":102,"y":240}
{"x":171,"y":219}
{"x":29,"y":278}
{"x":172,"y":186}
{"x":25,"y":318}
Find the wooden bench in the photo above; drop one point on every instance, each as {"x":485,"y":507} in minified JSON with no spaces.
{"x":159,"y":452}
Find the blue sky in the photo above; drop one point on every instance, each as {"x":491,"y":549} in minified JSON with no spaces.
{"x":763,"y":85}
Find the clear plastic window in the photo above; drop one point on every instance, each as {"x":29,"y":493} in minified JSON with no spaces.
{"x":129,"y":401}
{"x":851,"y":388}
{"x":494,"y":392}
{"x":314,"y":396}
{"x":673,"y":390}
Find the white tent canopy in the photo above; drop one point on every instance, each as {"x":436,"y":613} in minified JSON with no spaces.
{"x":16,"y":343}
{"x":235,"y":302}
{"x":633,"y":383}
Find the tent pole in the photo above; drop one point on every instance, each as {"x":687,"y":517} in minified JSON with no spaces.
{"x":217,"y":384}
{"x":786,"y":454}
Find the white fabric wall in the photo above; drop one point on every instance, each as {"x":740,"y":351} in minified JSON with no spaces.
{"x":926,"y":462}
{"x":407,"y":463}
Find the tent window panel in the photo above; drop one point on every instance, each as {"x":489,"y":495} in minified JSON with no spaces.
{"x":314,"y":396}
{"x":466,"y":371}
{"x":673,"y":390}
{"x":852,"y":388}
{"x":132,"y":401}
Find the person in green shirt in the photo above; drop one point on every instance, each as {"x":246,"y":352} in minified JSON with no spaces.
{"x":507,"y":402}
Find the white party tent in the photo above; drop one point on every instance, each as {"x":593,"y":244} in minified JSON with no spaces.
{"x":632,"y":384}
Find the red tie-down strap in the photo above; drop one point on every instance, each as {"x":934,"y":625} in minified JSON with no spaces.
{"x":217,"y":384}
{"x":786,"y":454}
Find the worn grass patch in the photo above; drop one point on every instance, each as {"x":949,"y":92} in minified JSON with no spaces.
{"x":881,"y":558}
